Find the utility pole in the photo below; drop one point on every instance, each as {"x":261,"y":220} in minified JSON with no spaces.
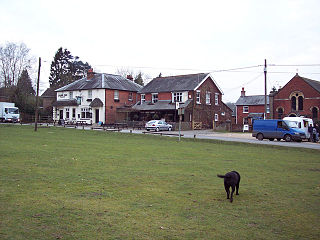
{"x":37,"y":98}
{"x":265,"y":89}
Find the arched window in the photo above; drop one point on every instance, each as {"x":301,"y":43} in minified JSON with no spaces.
{"x":314,"y":112}
{"x":293,"y":103}
{"x":300,"y":103}
{"x":280,"y":113}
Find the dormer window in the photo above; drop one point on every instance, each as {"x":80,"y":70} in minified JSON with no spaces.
{"x":177,"y":97}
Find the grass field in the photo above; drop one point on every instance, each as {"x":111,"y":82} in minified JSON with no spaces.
{"x":62,"y":183}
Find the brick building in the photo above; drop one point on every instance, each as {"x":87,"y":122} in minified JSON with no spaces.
{"x":198,"y":95}
{"x":249,"y":108}
{"x":95,"y":98}
{"x":299,"y":97}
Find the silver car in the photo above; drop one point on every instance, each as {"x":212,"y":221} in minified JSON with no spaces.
{"x":158,"y":125}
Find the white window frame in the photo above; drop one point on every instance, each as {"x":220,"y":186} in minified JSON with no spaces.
{"x":177,"y":97}
{"x":245,"y":109}
{"x":116,"y":95}
{"x":216,"y":117}
{"x":198,"y":97}
{"x":208,"y":98}
{"x":89,"y":94}
{"x":216,"y":98}
{"x":130,"y":97}
{"x":86,"y":113}
{"x":143,"y":98}
{"x":67,"y":113}
{"x":154,"y":97}
{"x":70,"y":95}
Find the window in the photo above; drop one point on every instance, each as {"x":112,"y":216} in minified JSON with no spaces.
{"x":70,"y":95}
{"x":216,"y":99}
{"x":86,"y":113}
{"x":143,"y":98}
{"x":198,"y":97}
{"x":116,"y":95}
{"x":73,"y":113}
{"x":78,"y":100}
{"x":216,"y":117}
{"x":300,"y":103}
{"x":208,"y":98}
{"x":67,"y":113}
{"x":130,"y":96}
{"x":245,"y":109}
{"x":154,"y":97}
{"x":293,"y":103}
{"x":89,"y":94}
{"x":177,"y":97}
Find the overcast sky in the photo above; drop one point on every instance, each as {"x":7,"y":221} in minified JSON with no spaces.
{"x":174,"y":37}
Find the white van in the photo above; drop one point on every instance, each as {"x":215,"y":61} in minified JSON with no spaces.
{"x":302,"y":123}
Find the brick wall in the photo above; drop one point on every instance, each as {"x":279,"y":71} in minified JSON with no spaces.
{"x":112,"y":104}
{"x":311,"y":98}
{"x":252,"y":109}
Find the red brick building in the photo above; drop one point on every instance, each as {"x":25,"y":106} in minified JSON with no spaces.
{"x":198,"y":95}
{"x":299,"y":97}
{"x":249,"y":108}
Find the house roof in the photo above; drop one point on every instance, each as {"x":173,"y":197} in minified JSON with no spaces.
{"x":102,"y":81}
{"x":96,"y":103}
{"x":313,"y":83}
{"x":252,"y":100}
{"x":160,"y":105}
{"x":176,"y":83}
{"x":49,"y":93}
{"x":62,"y":103}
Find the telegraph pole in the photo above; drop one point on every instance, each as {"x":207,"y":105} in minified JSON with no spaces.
{"x":37,"y":98}
{"x":265,"y":89}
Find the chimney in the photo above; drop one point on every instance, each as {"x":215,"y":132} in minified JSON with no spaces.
{"x":130,"y":77}
{"x":90,"y":74}
{"x":243,"y":92}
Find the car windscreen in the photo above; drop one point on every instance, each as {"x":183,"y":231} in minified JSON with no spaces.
{"x":14,"y":110}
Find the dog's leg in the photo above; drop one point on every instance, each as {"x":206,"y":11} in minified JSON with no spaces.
{"x":237,"y":189}
{"x":227,"y":190}
{"x":231,"y":197}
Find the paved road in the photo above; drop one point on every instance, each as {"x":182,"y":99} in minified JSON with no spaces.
{"x":236,"y":137}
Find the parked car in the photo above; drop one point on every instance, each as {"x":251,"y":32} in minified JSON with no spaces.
{"x":158,"y":125}
{"x":277,"y":129}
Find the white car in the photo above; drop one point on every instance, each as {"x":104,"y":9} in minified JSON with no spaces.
{"x":158,"y":125}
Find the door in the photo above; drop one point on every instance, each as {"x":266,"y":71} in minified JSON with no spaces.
{"x":61,"y":114}
{"x":97,"y":115}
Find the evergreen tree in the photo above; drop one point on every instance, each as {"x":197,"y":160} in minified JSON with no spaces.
{"x":24,"y":84}
{"x":138,"y":79}
{"x":65,"y":69}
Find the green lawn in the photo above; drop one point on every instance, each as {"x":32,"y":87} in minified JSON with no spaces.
{"x":62,"y":183}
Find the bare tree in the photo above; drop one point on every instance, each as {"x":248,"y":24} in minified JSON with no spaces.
{"x":14,"y":59}
{"x":138,"y":77}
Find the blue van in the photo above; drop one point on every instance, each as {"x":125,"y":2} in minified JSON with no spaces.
{"x":277,"y":129}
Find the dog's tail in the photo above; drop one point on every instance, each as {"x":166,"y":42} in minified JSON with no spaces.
{"x":221,"y":176}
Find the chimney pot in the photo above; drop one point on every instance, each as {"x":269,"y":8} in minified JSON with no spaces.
{"x":130,"y":77}
{"x":243,"y":92}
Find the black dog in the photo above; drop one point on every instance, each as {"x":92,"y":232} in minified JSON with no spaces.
{"x":231,"y":179}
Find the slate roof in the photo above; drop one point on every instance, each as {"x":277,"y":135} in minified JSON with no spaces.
{"x":61,"y":103}
{"x":49,"y":93}
{"x":111,"y":81}
{"x":175,"y":83}
{"x":160,"y":105}
{"x":313,"y":83}
{"x":252,"y":100}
